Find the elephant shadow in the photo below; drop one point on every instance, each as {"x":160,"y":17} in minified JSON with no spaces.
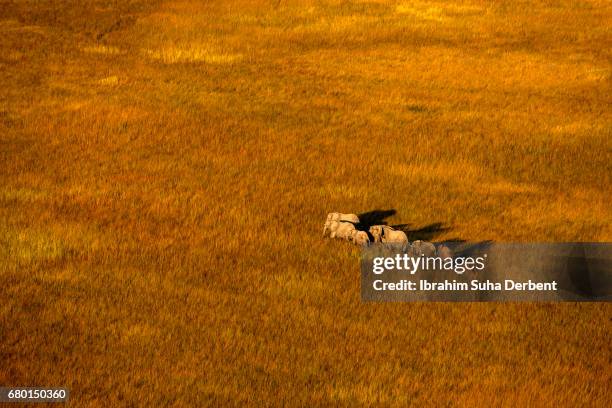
{"x":378,"y":217}
{"x":375,"y":217}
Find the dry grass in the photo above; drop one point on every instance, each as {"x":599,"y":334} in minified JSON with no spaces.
{"x":165,"y":168}
{"x":102,"y":49}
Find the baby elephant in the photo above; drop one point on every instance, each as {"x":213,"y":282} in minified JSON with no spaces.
{"x":377,"y":231}
{"x":423,"y":248}
{"x":341,"y":230}
{"x":360,"y":238}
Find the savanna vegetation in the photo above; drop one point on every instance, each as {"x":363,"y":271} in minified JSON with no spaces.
{"x":166,"y":167}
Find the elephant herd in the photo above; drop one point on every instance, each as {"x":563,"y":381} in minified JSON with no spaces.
{"x":344,"y":226}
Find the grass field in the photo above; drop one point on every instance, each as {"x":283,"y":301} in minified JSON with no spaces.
{"x":166,"y":167}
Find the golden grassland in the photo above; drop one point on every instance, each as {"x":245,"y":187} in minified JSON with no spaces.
{"x":166,"y":166}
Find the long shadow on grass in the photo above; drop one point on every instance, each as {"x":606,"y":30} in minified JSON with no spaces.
{"x":426,"y":233}
{"x":375,"y":217}
{"x":378,"y":217}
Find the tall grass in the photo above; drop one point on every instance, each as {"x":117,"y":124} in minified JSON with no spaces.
{"x":165,"y":168}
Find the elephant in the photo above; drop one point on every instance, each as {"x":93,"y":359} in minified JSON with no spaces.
{"x":334,"y":220}
{"x":343,"y":217}
{"x":444,"y":252}
{"x":360,"y":238}
{"x":423,"y":248}
{"x":389,"y":236}
{"x":394,"y":238}
{"x":330,"y":228}
{"x":376,"y":231}
{"x":343,"y":230}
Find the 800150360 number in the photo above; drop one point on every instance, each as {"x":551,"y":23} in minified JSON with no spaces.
{"x":33,"y":394}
